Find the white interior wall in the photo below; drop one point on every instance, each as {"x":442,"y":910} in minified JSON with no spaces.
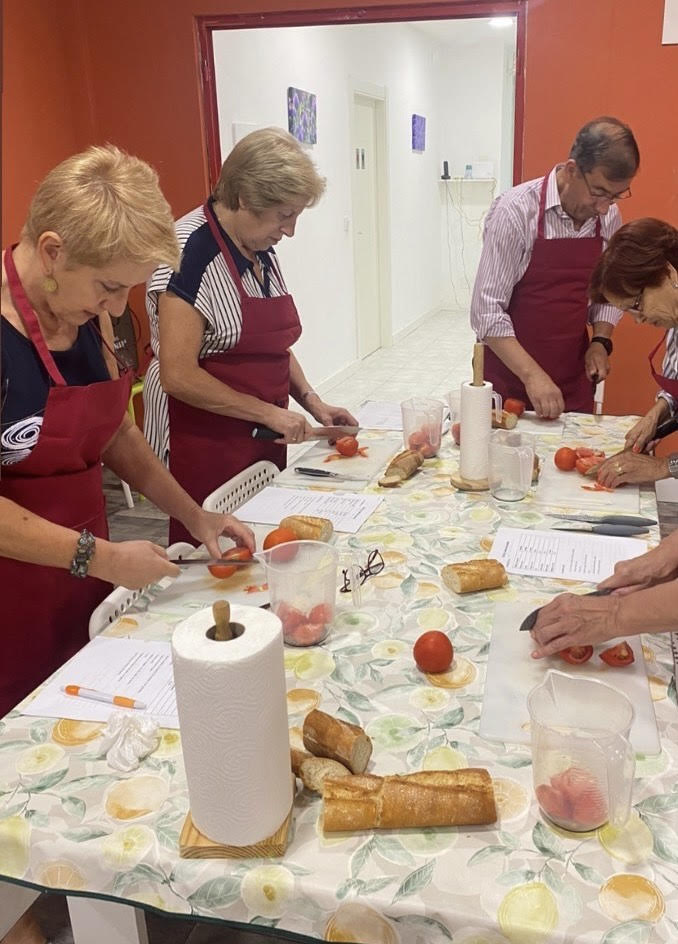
{"x":421,"y":76}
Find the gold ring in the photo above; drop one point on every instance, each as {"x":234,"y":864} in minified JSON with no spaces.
{"x":619,"y":468}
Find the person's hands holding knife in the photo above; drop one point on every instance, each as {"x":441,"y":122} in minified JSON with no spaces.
{"x":573,"y":620}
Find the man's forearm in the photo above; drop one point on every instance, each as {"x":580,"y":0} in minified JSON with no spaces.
{"x":515,"y":357}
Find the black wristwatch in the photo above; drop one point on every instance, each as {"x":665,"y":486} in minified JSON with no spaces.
{"x":606,"y":342}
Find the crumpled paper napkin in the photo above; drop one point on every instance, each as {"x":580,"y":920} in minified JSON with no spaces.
{"x":127,"y":739}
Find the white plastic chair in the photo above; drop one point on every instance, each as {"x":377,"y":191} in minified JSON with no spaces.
{"x":119,"y":600}
{"x":241,"y":487}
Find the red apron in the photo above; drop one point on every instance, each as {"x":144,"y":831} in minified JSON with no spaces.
{"x":207,"y":449}
{"x":549,"y":311}
{"x":668,"y":384}
{"x":46,"y":611}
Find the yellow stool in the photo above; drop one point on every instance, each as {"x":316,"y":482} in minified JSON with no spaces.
{"x":136,"y":389}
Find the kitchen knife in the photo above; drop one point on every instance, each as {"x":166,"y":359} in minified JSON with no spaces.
{"x":326,"y":474}
{"x":317,"y":432}
{"x":633,"y":520}
{"x":617,"y":530}
{"x":666,"y":428}
{"x":209,"y":561}
{"x":531,"y":618}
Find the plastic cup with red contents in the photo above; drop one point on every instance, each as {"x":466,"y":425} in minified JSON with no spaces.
{"x":422,"y":425}
{"x":302,"y":588}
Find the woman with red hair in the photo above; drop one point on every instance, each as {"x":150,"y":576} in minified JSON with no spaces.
{"x":638,"y":273}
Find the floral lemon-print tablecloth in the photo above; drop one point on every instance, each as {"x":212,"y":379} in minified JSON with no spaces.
{"x":70,"y":822}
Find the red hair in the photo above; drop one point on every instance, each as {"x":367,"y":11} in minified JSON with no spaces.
{"x":637,"y":257}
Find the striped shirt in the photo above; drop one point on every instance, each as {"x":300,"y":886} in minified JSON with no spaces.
{"x":509,"y":234}
{"x":670,"y":367}
{"x":205,"y":282}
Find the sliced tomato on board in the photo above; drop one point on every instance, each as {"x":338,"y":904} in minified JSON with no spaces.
{"x":347,"y":446}
{"x":222,"y":571}
{"x":585,"y":452}
{"x":587,"y":465}
{"x":576,"y":655}
{"x":619,"y":655}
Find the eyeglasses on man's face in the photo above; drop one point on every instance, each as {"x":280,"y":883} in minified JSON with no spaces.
{"x":375,"y":565}
{"x":599,"y":193}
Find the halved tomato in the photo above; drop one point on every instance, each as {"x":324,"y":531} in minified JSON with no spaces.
{"x":585,"y":452}
{"x":619,"y":655}
{"x":222,"y":571}
{"x":587,"y":465}
{"x":347,"y":445}
{"x":576,"y":655}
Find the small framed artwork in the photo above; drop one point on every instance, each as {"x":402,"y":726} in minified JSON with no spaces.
{"x":301,"y":115}
{"x":418,"y":133}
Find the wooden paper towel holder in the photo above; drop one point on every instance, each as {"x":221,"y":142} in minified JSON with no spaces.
{"x":473,"y":485}
{"x":194,"y":845}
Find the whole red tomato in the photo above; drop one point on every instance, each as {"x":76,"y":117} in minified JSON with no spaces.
{"x":619,"y":655}
{"x":221,"y":571}
{"x":565,"y":459}
{"x":456,"y":432}
{"x":347,"y":445}
{"x":513,"y":405}
{"x":278,"y":537}
{"x":433,"y":652}
{"x":576,"y":655}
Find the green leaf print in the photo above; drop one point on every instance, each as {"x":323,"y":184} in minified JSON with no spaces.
{"x":547,"y":842}
{"x":434,"y":928}
{"x":74,"y":806}
{"x":415,"y":881}
{"x":217,"y":893}
{"x":630,"y":932}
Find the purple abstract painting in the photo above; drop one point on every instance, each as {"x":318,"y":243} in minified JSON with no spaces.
{"x":418,"y":133}
{"x":301,"y":115}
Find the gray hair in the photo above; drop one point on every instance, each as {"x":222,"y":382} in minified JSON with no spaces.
{"x":609,"y":144}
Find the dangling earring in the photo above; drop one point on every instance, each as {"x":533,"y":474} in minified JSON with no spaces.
{"x":674,"y":284}
{"x":50,"y":284}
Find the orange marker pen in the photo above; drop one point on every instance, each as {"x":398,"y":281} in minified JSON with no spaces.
{"x":90,"y":693}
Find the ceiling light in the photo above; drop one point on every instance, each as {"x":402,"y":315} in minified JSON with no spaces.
{"x":501,"y":22}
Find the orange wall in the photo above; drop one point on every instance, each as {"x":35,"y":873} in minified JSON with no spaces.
{"x":582,"y":59}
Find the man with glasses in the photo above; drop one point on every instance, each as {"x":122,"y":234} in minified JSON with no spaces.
{"x":542,"y":240}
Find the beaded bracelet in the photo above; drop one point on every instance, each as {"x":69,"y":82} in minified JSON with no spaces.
{"x":84,"y":552}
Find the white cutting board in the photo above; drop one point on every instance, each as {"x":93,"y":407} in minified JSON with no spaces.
{"x":512,"y":674}
{"x":557,"y":489}
{"x":363,"y":468}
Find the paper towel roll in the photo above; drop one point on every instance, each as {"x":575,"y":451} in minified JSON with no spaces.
{"x":476,"y":425}
{"x":232,"y":706}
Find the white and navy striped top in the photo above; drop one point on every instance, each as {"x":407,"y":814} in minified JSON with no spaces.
{"x":205,"y":282}
{"x":670,"y":367}
{"x":509,"y":234}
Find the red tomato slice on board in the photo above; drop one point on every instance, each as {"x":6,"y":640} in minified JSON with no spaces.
{"x":619,"y":655}
{"x":346,"y":446}
{"x":586,"y":465}
{"x":576,"y":655}
{"x":222,"y":571}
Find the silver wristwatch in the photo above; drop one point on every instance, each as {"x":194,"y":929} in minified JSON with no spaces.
{"x":673,"y":465}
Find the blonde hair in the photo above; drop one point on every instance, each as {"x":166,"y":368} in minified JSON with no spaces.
{"x":105,"y":205}
{"x":268,"y":168}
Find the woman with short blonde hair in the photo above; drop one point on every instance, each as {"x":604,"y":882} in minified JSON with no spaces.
{"x":222,"y":327}
{"x":98,"y":225}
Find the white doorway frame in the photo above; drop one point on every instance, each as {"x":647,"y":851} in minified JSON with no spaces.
{"x":379,"y":95}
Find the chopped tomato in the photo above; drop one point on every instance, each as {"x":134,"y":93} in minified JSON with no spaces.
{"x":306,"y":634}
{"x":321,"y":613}
{"x":222,"y":571}
{"x":553,"y":802}
{"x":289,"y":616}
{"x":587,"y":465}
{"x":576,"y":655}
{"x":565,"y":459}
{"x":596,"y":487}
{"x":422,"y":441}
{"x":582,"y":795}
{"x":619,"y":655}
{"x":584,"y":452}
{"x":284,"y":540}
{"x":512,"y":405}
{"x":347,"y":445}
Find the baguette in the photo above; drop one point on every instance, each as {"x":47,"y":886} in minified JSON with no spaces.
{"x":462,"y":797}
{"x":326,"y":736}
{"x":315,"y":770}
{"x":308,"y":527}
{"x":297,"y":758}
{"x":401,"y":467}
{"x":474,"y":575}
{"x":506,"y":421}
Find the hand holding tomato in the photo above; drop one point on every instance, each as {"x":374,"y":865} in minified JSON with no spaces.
{"x":433,"y":652}
{"x":571,"y":620}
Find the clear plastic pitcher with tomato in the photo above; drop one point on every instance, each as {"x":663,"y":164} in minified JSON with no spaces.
{"x":582,"y":761}
{"x":302,"y":584}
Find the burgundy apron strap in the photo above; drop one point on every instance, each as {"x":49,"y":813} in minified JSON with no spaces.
{"x":211,"y":217}
{"x":97,"y":330}
{"x":30,"y":319}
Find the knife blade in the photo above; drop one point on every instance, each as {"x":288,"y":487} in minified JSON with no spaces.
{"x":317,"y":432}
{"x":634,"y":520}
{"x":209,"y":561}
{"x":531,"y":618}
{"x":616,"y":530}
{"x":326,"y":474}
